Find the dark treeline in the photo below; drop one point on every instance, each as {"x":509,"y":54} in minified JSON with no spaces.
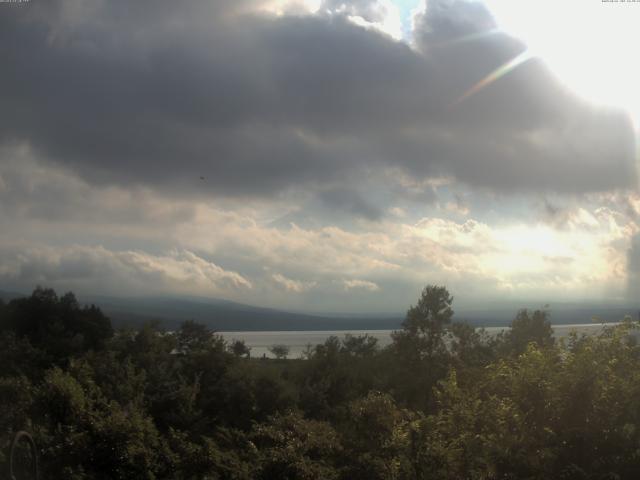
{"x":444,"y":401}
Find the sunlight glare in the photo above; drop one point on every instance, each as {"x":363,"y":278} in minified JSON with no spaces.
{"x":591,"y":45}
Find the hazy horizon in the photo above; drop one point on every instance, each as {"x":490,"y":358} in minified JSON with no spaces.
{"x":222,"y":314}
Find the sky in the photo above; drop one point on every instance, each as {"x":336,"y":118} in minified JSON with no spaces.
{"x":321,"y":155}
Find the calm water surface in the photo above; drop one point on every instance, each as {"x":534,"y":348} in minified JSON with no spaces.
{"x":298,"y":341}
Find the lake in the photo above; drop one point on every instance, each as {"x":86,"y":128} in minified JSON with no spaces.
{"x":297,"y":341}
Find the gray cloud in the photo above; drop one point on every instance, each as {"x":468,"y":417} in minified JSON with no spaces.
{"x":351,"y":202}
{"x":452,"y":20}
{"x":161,"y":93}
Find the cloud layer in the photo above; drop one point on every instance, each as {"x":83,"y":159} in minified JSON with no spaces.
{"x":161,"y":95}
{"x":286,"y":153}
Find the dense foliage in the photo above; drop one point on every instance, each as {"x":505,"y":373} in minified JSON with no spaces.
{"x":444,"y":401}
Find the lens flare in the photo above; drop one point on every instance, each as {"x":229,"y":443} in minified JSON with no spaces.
{"x":495,"y":75}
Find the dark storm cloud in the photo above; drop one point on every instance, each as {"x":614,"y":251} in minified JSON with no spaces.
{"x":162,"y":93}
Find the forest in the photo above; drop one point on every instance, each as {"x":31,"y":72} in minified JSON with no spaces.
{"x":443,"y":401}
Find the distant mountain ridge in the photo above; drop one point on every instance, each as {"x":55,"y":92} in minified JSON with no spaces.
{"x":225,"y":315}
{"x":221,"y":315}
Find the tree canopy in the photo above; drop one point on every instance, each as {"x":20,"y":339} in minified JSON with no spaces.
{"x":443,"y":401}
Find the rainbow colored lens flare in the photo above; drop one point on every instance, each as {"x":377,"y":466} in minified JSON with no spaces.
{"x":498,"y":73}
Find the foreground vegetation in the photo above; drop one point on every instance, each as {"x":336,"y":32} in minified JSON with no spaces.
{"x":442,"y":402}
